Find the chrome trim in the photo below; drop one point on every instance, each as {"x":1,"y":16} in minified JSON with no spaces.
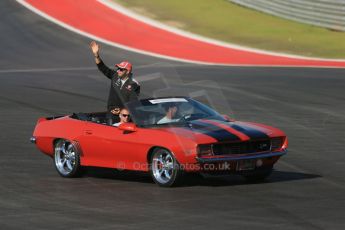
{"x":33,"y":140}
{"x":245,"y":157}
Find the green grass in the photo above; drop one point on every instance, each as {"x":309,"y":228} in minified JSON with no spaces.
{"x":225,"y":21}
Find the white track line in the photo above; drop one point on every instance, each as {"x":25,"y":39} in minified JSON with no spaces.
{"x":45,"y":70}
{"x":93,"y":37}
{"x":120,"y":9}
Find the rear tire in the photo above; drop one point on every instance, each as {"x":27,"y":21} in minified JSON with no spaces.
{"x":67,"y":159}
{"x":164,"y":168}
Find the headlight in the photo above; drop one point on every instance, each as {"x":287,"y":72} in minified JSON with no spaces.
{"x":205,"y":150}
{"x":278,"y":142}
{"x":286,"y":143}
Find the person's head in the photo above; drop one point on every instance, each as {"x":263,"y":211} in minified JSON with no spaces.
{"x":124,"y":115}
{"x":170,"y":109}
{"x":124,"y":69}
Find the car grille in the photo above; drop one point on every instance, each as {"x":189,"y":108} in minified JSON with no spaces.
{"x":241,"y":147}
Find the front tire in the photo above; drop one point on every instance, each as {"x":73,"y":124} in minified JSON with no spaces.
{"x":67,"y":159}
{"x":164,"y":168}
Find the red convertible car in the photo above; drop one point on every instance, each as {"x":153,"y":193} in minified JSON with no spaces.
{"x":195,"y":139}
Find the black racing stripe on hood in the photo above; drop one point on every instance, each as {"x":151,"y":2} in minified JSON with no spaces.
{"x":213,"y":131}
{"x":252,"y":133}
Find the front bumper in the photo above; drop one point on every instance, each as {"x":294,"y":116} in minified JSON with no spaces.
{"x":241,"y":157}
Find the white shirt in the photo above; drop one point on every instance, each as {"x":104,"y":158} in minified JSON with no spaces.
{"x":117,"y":124}
{"x":123,"y":82}
{"x":166,"y":120}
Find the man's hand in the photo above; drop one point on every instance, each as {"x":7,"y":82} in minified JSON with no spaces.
{"x":95,"y":48}
{"x":115,"y":111}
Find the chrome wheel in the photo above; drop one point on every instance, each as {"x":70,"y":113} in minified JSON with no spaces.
{"x":164,"y":168}
{"x":66,"y":158}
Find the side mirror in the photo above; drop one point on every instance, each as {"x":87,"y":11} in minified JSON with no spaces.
{"x":128,"y":127}
{"x":226,"y":117}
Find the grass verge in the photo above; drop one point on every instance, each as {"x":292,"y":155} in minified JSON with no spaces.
{"x":226,"y":21}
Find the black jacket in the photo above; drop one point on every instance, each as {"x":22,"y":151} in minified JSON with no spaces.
{"x":118,"y":95}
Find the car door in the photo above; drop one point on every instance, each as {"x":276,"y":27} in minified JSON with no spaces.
{"x":108,"y":146}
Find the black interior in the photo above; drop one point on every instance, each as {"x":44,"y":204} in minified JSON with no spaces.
{"x":98,"y":117}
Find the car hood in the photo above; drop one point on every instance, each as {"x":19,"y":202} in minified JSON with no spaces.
{"x":210,"y":131}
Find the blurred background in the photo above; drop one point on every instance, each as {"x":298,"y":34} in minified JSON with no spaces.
{"x":46,"y":69}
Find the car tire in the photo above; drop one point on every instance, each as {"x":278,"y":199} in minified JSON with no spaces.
{"x":67,"y":159}
{"x":164,"y":168}
{"x":258,"y":175}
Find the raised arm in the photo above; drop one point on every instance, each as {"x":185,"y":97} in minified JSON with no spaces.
{"x":95,"y":48}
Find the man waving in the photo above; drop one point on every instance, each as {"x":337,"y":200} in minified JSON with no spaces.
{"x":123,"y":87}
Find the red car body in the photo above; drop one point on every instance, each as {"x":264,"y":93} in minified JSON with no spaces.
{"x":204,"y":144}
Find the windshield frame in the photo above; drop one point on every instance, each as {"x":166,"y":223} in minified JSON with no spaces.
{"x":134,"y":105}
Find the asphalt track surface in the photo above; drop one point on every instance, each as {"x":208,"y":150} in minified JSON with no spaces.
{"x":47,"y":70}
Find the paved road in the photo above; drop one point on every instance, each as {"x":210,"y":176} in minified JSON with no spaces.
{"x":46,"y":70}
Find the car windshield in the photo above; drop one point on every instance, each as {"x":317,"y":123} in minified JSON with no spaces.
{"x":169,"y":111}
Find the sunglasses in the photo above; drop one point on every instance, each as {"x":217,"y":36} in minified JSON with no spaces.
{"x":120,"y":69}
{"x":124,"y":115}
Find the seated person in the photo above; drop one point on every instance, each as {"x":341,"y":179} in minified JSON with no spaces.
{"x":171,"y":110}
{"x":124,"y":117}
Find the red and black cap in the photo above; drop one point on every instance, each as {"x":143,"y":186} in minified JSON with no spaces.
{"x":125,"y":65}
